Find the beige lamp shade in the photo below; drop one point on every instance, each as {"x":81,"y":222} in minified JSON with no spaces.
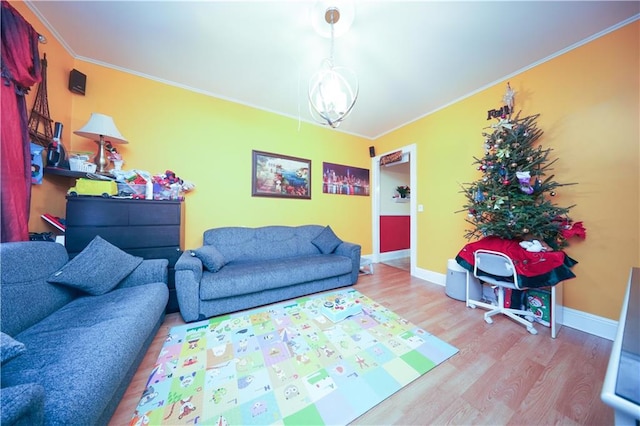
{"x":101,"y":125}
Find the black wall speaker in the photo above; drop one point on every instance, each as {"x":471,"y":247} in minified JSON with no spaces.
{"x":77,"y":82}
{"x":372,"y":151}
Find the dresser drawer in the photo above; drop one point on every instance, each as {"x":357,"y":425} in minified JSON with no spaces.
{"x":124,"y":237}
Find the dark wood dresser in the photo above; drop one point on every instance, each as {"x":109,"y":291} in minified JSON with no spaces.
{"x":152,"y":229}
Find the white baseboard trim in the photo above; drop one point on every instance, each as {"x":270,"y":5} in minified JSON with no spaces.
{"x":583,"y":321}
{"x":432,"y":277}
{"x":392,"y":255}
{"x":589,"y":323}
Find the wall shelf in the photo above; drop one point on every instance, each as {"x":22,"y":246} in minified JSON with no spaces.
{"x":64,"y":172}
{"x":401,"y":200}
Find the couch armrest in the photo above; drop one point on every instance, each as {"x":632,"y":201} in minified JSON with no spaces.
{"x":149,"y":271}
{"x":188,"y":275}
{"x":23,"y":405}
{"x":351,"y":251}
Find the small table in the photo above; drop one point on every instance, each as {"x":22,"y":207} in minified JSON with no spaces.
{"x":366,"y":266}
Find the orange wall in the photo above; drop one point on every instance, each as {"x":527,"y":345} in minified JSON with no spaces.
{"x":49,"y":197}
{"x":588,"y":99}
{"x":589,"y":112}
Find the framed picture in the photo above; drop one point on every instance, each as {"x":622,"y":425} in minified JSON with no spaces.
{"x":345,"y":180}
{"x":275,"y":175}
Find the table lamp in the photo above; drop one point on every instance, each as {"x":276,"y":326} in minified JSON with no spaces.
{"x":101,"y":129}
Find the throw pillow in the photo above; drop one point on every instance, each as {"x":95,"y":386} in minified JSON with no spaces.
{"x":97,"y":269}
{"x":211,"y":258}
{"x":327,"y":241}
{"x":9,"y":347}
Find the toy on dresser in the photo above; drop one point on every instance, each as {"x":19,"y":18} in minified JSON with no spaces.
{"x":340,"y":308}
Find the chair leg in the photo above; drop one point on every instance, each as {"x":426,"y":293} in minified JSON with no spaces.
{"x":488,"y":315}
{"x":511,"y":313}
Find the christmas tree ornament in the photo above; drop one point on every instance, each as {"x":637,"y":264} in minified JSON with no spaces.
{"x":525,"y":230}
{"x":552,"y":193}
{"x":509,"y":98}
{"x":525,"y":178}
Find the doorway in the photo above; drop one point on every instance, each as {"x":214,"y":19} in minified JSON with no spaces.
{"x":383,"y":194}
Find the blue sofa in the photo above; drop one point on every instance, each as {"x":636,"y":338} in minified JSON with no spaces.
{"x":240,"y":268}
{"x":68,"y":355}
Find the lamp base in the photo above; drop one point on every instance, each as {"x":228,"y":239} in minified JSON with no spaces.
{"x":101,"y":160}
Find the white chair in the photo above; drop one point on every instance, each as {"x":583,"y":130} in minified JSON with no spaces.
{"x":488,"y":267}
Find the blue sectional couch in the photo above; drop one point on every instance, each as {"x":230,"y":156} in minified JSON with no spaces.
{"x":240,"y":268}
{"x":68,"y":354}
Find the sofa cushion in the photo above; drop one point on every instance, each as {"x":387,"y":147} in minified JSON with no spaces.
{"x":239,"y":244}
{"x":24,"y":268}
{"x":81,"y":353}
{"x":9,"y":347}
{"x":97,"y":269}
{"x":248,"y":277}
{"x":327,"y":241}
{"x":211,"y":258}
{"x":22,"y":405}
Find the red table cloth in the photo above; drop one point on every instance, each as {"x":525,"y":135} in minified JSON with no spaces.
{"x":535,"y":269}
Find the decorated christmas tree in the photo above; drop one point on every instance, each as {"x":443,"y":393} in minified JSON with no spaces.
{"x":513,"y":197}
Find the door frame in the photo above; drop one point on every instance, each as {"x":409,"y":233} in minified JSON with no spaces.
{"x":413,"y":202}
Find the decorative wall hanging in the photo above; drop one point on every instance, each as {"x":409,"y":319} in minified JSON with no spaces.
{"x":346,"y":180}
{"x":275,"y":175}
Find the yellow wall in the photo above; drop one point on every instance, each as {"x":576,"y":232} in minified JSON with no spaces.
{"x":209,"y":141}
{"x":588,"y":99}
{"x":589,"y":112}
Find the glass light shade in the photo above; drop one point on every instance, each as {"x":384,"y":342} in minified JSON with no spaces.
{"x":332,"y":94}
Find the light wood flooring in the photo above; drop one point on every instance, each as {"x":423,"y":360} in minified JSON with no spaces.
{"x":403,"y":263}
{"x":502,"y":374}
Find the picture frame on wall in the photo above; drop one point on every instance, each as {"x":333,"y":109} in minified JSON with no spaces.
{"x":282,"y":176}
{"x":344,"y":180}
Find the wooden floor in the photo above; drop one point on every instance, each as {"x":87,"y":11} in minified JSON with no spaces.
{"x":502,"y":374}
{"x":403,"y":263}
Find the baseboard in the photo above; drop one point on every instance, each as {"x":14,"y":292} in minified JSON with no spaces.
{"x":589,"y":323}
{"x":392,"y":255}
{"x":583,"y":321}
{"x":432,"y":277}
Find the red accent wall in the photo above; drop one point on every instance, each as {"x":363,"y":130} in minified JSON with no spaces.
{"x":394,"y":233}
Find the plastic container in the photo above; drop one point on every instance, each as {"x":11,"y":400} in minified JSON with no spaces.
{"x":81,"y":165}
{"x":456,"y":283}
{"x":134,"y":190}
{"x":149,"y":190}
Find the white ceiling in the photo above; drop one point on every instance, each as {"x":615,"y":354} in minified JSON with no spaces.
{"x":411,"y":57}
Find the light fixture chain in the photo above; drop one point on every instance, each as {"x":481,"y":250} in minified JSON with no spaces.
{"x":331,"y":53}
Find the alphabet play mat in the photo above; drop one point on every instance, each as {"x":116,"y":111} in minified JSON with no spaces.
{"x":287,"y":363}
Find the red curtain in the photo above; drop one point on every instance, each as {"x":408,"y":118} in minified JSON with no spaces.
{"x":20,"y":70}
